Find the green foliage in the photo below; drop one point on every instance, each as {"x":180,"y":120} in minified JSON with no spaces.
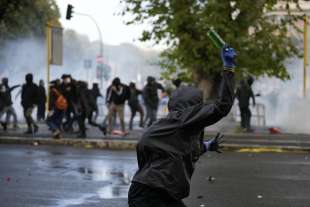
{"x":21,"y":18}
{"x":262,"y":41}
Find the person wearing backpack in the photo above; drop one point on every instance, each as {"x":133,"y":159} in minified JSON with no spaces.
{"x":57,"y":107}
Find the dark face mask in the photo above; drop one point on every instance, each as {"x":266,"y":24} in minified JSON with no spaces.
{"x":5,"y":82}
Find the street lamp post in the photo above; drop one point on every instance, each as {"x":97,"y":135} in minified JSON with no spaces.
{"x":100,"y":40}
{"x":69,"y":16}
{"x":98,"y":29}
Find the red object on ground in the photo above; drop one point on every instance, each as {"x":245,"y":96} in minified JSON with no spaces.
{"x":119,"y":133}
{"x":8,"y":179}
{"x":274,"y":130}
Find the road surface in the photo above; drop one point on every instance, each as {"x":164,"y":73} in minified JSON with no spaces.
{"x":49,"y":176}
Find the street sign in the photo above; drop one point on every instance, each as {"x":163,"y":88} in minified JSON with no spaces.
{"x":56,"y":46}
{"x":99,"y":59}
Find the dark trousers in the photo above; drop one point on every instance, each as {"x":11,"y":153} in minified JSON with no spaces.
{"x":81,"y":121}
{"x":151,"y":115}
{"x":71,"y":116}
{"x":55,"y":120}
{"x":134,"y":108}
{"x":246,"y":114}
{"x":41,"y":112}
{"x":143,"y":196}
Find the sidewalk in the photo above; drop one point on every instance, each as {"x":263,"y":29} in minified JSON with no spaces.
{"x":243,"y":142}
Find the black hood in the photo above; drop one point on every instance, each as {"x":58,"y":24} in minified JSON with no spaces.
{"x":185,"y":97}
{"x":29,"y":78}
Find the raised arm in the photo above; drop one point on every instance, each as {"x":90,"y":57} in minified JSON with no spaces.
{"x":208,"y":114}
{"x":14,"y":87}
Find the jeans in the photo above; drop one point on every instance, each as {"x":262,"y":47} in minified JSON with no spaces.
{"x":54,"y":121}
{"x":11,"y":112}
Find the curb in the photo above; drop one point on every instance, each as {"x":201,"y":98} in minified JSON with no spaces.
{"x":121,"y":144}
{"x":110,"y":144}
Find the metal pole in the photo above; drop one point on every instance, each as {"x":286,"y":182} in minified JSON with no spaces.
{"x":48,"y":60}
{"x":305,"y":54}
{"x":100,"y":38}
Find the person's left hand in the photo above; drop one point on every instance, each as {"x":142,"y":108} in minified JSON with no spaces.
{"x":214,"y":145}
{"x":229,"y":55}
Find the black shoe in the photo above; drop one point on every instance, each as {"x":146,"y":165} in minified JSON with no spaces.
{"x":57,"y":134}
{"x":103,"y":129}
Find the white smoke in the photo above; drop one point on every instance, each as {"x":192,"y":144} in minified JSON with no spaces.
{"x":28,"y":55}
{"x":285,"y":106}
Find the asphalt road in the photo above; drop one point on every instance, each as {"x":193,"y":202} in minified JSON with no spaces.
{"x":35,"y":176}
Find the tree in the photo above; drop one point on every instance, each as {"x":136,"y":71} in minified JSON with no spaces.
{"x":263,"y":42}
{"x":22,"y":18}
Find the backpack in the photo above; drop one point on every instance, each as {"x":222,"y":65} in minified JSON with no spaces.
{"x":61,"y":102}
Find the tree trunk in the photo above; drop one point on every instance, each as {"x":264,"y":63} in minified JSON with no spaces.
{"x":208,"y":85}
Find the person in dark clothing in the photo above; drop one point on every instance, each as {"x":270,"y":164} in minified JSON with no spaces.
{"x":151,"y":100}
{"x":41,"y":101}
{"x":4,"y":100}
{"x":177,"y":82}
{"x":135,"y":105}
{"x":168,"y":150}
{"x":69,"y":91}
{"x":29,"y":100}
{"x":10,"y":111}
{"x":243,"y":94}
{"x":86,"y":106}
{"x":117,"y":94}
{"x":95,"y":92}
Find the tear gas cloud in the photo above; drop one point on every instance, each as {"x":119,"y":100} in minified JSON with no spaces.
{"x":285,"y":106}
{"x":28,"y":55}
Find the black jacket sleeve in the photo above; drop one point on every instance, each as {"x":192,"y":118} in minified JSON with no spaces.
{"x":205,"y":115}
{"x":13,"y":87}
{"x":160,"y":87}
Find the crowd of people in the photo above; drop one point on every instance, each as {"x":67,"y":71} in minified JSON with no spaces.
{"x":71,"y":102}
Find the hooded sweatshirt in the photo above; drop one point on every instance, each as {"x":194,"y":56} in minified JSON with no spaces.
{"x":169,"y":149}
{"x":29,"y":93}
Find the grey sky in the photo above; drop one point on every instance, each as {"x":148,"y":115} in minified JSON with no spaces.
{"x":104,"y":11}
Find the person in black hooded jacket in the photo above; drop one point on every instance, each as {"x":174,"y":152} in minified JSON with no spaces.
{"x":29,"y":101}
{"x":151,"y":100}
{"x":168,"y":150}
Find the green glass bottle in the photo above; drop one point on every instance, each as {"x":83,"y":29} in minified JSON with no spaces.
{"x":216,"y":38}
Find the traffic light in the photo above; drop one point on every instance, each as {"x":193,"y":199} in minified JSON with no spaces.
{"x":69,"y":12}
